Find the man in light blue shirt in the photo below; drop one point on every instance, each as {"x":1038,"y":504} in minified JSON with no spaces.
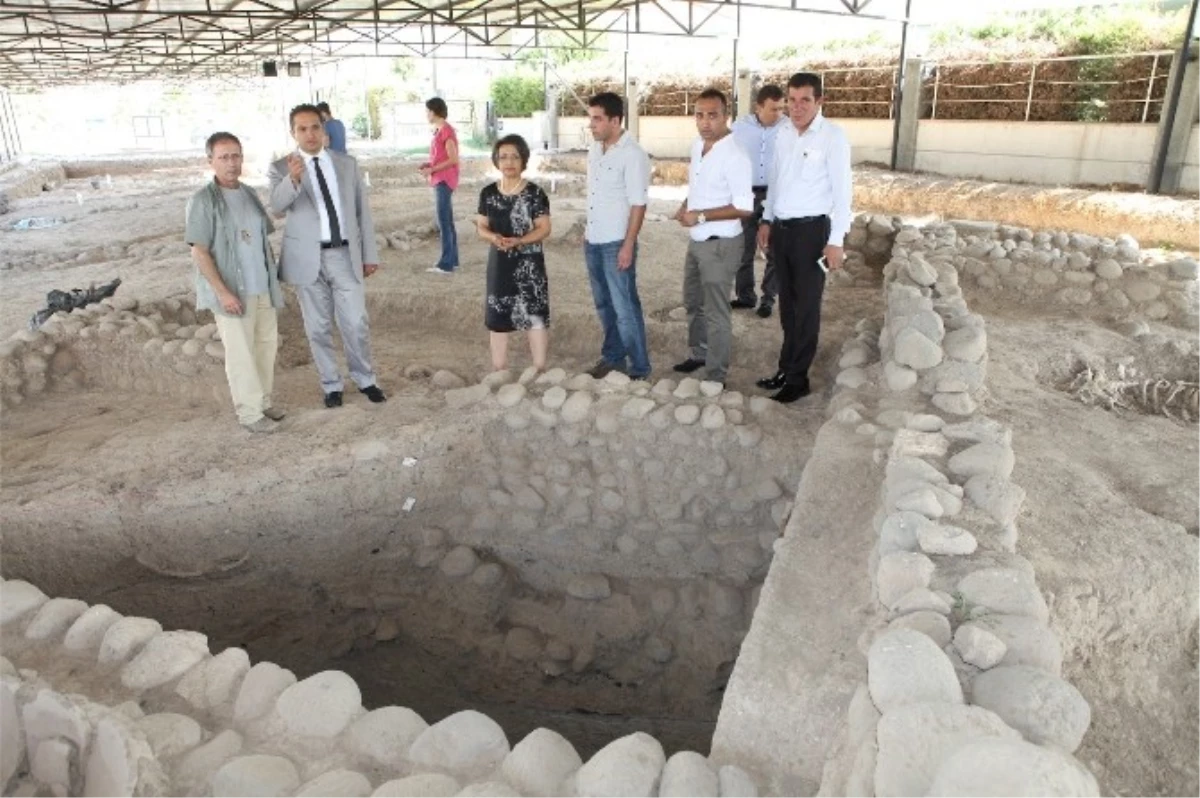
{"x":756,"y":133}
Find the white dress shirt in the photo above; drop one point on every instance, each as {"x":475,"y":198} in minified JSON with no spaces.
{"x":759,"y":143}
{"x":720,"y":178}
{"x":811,"y":177}
{"x":330,"y":175}
{"x":618,"y":180}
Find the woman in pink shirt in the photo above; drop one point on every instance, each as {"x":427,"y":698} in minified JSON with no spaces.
{"x":442,"y":170}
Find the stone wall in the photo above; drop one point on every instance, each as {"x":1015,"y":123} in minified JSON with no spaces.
{"x":963,"y":685}
{"x":120,"y":343}
{"x":1092,"y":274}
{"x":93,"y":703}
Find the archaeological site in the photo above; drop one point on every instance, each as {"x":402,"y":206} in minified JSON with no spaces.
{"x":966,"y":564}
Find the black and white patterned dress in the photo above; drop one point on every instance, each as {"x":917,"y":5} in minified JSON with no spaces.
{"x":518,"y":294}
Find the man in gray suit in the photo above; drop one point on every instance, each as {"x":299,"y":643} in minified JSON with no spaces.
{"x":328,"y":249}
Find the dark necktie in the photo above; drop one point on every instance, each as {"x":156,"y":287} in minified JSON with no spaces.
{"x":335,"y":229}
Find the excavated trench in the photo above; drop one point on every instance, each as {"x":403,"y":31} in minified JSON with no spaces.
{"x":596,"y":576}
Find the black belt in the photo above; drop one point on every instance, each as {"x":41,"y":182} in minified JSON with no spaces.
{"x":784,"y":224}
{"x":331,"y":245}
{"x":758,"y":189}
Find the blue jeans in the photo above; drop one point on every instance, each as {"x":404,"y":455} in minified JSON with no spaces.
{"x":619,"y":308}
{"x":445,"y":223}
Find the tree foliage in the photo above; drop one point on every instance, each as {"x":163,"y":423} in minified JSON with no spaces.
{"x":518,"y":95}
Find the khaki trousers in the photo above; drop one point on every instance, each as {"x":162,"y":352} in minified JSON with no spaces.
{"x":251,"y":341}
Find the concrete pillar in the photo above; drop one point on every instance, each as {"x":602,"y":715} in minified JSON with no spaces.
{"x":551,"y":134}
{"x":631,"y":108}
{"x":1176,"y":138}
{"x":745,"y":92}
{"x":910,"y":117}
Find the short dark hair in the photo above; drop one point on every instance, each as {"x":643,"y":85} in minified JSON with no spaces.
{"x":302,"y":108}
{"x":323,"y":107}
{"x":511,"y":140}
{"x":715,"y":94}
{"x":217,"y":138}
{"x":802,"y":79}
{"x":768,"y":92}
{"x":610,"y":103}
{"x":438,"y":106}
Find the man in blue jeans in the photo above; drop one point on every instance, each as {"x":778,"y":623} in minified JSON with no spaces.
{"x":618,"y":180}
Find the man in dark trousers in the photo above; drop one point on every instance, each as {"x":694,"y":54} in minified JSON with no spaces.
{"x":756,"y":133}
{"x":805,"y":219}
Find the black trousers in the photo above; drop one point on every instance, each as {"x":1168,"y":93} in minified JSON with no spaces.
{"x":797,"y":246}
{"x":743,"y":285}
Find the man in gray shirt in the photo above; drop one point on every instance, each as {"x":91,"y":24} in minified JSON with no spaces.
{"x":237,"y":279}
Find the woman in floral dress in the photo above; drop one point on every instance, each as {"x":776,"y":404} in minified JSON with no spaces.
{"x":514,"y":217}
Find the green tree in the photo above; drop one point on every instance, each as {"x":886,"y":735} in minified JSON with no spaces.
{"x":518,"y":95}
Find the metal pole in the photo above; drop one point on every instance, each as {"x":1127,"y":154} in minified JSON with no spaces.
{"x":898,"y":94}
{"x":1172,"y":103}
{"x":1150,"y":89}
{"x":1029,"y":96}
{"x":733,"y":81}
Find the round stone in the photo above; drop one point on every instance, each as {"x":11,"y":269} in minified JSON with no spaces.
{"x":905,"y":666}
{"x":321,"y":705}
{"x":687,"y":414}
{"x":995,"y":766}
{"x":628,"y":766}
{"x":258,"y":775}
{"x":1046,"y":709}
{"x":539,"y":763}
{"x":461,"y":561}
{"x":511,"y":394}
{"x":467,"y":744}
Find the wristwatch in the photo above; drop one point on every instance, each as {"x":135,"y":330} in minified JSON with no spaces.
{"x":701,"y":218}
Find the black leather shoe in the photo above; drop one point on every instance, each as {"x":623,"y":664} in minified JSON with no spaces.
{"x":741,"y":304}
{"x":373,"y":393}
{"x":764,"y":311}
{"x":689,"y":365}
{"x":333,"y":399}
{"x":791,"y":393}
{"x":772,"y":383}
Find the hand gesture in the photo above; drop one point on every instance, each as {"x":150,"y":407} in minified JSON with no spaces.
{"x":295,"y":167}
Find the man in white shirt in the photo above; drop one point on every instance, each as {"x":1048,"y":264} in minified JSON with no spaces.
{"x":618,"y":182}
{"x":719,"y":197}
{"x":756,"y":133}
{"x":805,"y":220}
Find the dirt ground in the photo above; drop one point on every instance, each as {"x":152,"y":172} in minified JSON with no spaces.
{"x":1110,"y":523}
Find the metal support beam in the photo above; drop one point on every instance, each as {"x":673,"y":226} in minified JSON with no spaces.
{"x":1179,"y":112}
{"x":898,"y":95}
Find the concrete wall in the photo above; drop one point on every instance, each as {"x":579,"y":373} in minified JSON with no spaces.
{"x":1191,"y":164}
{"x":1066,"y":153}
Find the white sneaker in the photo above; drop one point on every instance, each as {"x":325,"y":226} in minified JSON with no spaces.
{"x":437,"y":270}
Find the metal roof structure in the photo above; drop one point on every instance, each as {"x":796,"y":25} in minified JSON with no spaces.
{"x":48,"y":42}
